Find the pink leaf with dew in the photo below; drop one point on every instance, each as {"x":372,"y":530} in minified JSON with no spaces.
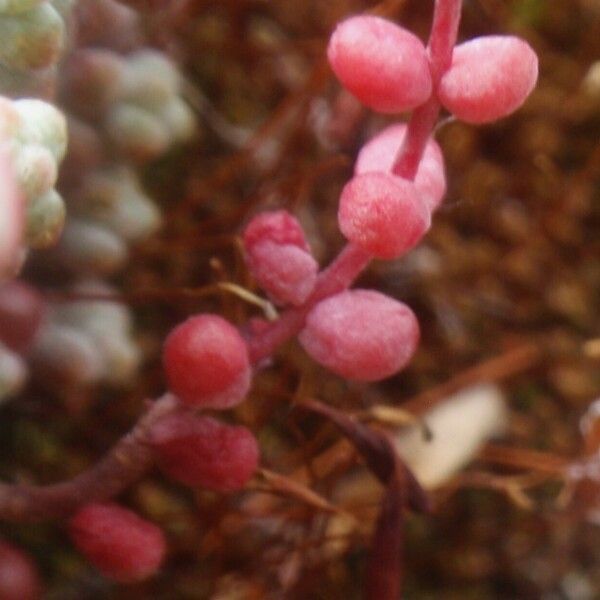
{"x":490,"y":77}
{"x":379,"y":154}
{"x":361,"y":335}
{"x":382,"y":64}
{"x":383,"y":214}
{"x":11,"y":217}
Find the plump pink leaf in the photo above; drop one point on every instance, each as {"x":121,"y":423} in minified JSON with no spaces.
{"x":490,"y":77}
{"x":202,"y":451}
{"x":382,"y":64}
{"x":384,"y":214}
{"x":119,"y":543}
{"x":379,"y":153}
{"x":361,"y":335}
{"x":206,"y":362}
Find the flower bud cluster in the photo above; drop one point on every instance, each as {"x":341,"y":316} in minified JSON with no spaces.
{"x":135,"y":99}
{"x":35,"y":136}
{"x":85,"y":342}
{"x":33,"y":34}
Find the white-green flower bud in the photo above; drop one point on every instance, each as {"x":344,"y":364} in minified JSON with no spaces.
{"x":35,"y":169}
{"x":32,"y":39}
{"x":151,"y":79}
{"x":42,"y":123}
{"x":45,"y":216}
{"x":93,"y":315}
{"x":88,"y":247}
{"x":179,"y":119}
{"x":63,"y":355}
{"x":116,"y":199}
{"x":136,"y":132}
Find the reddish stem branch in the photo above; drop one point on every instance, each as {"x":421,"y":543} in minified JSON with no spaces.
{"x":444,"y":30}
{"x":123,"y":465}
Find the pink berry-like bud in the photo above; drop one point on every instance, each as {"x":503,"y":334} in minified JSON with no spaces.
{"x":202,"y":451}
{"x":278,"y":226}
{"x":22,"y":310}
{"x":490,"y":77}
{"x":206,"y":362}
{"x":384,"y":214}
{"x":278,"y":256}
{"x":287,"y":273}
{"x":379,"y":153}
{"x":119,"y":543}
{"x":19,"y":579}
{"x":383,"y":65}
{"x":361,"y":335}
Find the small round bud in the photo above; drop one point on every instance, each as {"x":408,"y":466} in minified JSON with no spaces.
{"x":86,"y":247}
{"x":19,"y":579}
{"x":278,"y":256}
{"x":136,"y":132}
{"x":152,"y":79}
{"x":36,"y":169}
{"x":200,"y":451}
{"x":64,"y":356}
{"x":277,"y":226}
{"x":206,"y":362}
{"x":383,"y":214}
{"x":32,"y":39}
{"x":119,"y":543}
{"x":361,"y":335}
{"x":379,"y":153}
{"x":490,"y":77}
{"x":287,"y":273}
{"x":22,"y":311}
{"x":383,"y":65}
{"x":42,"y":123}
{"x":115,"y":198}
{"x":45,"y":218}
{"x":92,"y":80}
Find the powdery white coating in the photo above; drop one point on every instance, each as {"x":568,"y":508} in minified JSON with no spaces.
{"x":361,"y":335}
{"x":278,"y":226}
{"x":460,"y":426}
{"x":206,"y":362}
{"x":382,"y":64}
{"x":202,"y":451}
{"x":287,"y":273}
{"x":19,"y":579}
{"x":490,"y":77}
{"x":383,"y":214}
{"x":379,"y":153}
{"x":119,"y":543}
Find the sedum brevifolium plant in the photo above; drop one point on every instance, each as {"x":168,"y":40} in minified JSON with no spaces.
{"x":126,"y":102}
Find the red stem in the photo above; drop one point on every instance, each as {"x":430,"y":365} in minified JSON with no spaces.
{"x":444,"y":30}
